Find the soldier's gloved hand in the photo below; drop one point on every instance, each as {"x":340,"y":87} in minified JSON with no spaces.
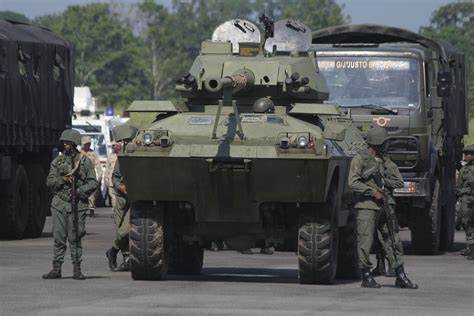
{"x":378,"y":196}
{"x":122,"y":188}
{"x":68,"y":179}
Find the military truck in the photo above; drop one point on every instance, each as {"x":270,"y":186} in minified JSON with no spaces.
{"x":415,"y":87}
{"x":250,"y":155}
{"x":36,"y":93}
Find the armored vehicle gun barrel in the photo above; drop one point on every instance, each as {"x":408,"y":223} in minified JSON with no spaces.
{"x":241,"y":80}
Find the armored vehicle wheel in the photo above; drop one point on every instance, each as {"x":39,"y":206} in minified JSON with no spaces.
{"x":318,"y":243}
{"x":16,"y":206}
{"x":147,"y":256}
{"x":184,"y":258}
{"x":39,"y":202}
{"x":348,"y":258}
{"x":425,"y":232}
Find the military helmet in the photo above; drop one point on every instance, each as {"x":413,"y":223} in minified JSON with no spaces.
{"x":264,"y":105}
{"x":124,"y":132}
{"x":376,"y":136}
{"x":71,"y":135}
{"x":468,"y":149}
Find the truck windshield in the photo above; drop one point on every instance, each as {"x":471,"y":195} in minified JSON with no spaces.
{"x":360,"y":80}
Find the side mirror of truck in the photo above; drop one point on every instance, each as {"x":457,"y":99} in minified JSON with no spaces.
{"x":444,"y":84}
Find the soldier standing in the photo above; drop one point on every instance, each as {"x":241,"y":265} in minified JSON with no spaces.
{"x":69,"y":171}
{"x":465,"y":191}
{"x":94,"y":157}
{"x":109,"y":169}
{"x":373,"y":178}
{"x":124,"y":134}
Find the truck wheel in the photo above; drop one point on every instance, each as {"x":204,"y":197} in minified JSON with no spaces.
{"x":425,"y":232}
{"x":184,"y":258}
{"x":39,"y":202}
{"x":16,"y":206}
{"x":147,"y":256}
{"x":446,"y":238}
{"x":348,"y":257}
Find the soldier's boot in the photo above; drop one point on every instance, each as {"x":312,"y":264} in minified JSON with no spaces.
{"x":125,"y":266}
{"x":402,"y":280}
{"x":470,"y":254}
{"x":247,"y":252}
{"x":91,"y":213}
{"x":112,"y":257}
{"x":368,"y":280}
{"x":380,"y":268}
{"x":55,"y":273}
{"x":77,"y":274}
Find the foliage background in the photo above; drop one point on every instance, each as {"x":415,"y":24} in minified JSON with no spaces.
{"x":125,"y":53}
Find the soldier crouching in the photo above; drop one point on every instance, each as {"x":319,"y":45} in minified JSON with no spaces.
{"x":70,"y":172}
{"x":373,"y":177}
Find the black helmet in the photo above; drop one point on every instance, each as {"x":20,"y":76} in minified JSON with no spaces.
{"x":264,"y":105}
{"x":468,"y":150}
{"x":124,"y":131}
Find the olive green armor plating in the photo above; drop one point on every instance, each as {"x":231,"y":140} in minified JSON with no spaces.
{"x":247,"y":154}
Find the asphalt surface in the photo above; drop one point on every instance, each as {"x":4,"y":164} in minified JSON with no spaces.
{"x":230,"y":284}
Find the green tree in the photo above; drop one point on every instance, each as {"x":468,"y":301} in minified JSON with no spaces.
{"x":14,"y":16}
{"x":454,"y":23}
{"x":108,"y":57}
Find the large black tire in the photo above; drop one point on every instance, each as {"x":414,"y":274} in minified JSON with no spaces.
{"x":16,"y":206}
{"x":318,"y":243}
{"x":39,"y":202}
{"x":446,"y":237}
{"x":425,"y":231}
{"x":348,"y":257}
{"x":147,"y":252}
{"x":184,"y":258}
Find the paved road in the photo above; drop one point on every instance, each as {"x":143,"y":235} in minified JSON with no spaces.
{"x":231,"y":284}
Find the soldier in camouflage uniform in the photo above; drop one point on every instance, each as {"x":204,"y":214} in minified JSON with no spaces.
{"x":465,"y":191}
{"x":109,"y":169}
{"x":63,"y":169}
{"x":94,"y":157}
{"x":368,"y":169}
{"x":124,"y":134}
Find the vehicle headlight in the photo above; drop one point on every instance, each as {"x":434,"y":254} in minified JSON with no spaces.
{"x":147,"y":139}
{"x":302,"y":141}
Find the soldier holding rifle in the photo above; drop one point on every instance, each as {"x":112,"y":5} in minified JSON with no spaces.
{"x":72,"y":180}
{"x":465,"y":191}
{"x":373,"y":177}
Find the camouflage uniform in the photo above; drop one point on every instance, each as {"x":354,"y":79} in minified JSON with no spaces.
{"x":464,"y":187}
{"x":373,"y":178}
{"x":61,"y":210}
{"x":361,"y":180}
{"x":122,"y":207}
{"x":109,"y":169}
{"x":94,"y":157}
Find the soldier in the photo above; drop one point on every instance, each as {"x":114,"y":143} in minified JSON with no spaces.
{"x":122,"y":133}
{"x":109,"y":169}
{"x":464,"y":190}
{"x":67,"y":169}
{"x":94,"y":157}
{"x":373,"y":177}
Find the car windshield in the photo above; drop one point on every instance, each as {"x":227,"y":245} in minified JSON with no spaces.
{"x":360,"y":80}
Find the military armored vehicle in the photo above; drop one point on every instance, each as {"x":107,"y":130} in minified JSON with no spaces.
{"x":415,"y":87}
{"x":250,"y":155}
{"x":36,"y":93}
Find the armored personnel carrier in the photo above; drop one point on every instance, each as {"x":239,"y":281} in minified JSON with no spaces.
{"x":250,"y":155}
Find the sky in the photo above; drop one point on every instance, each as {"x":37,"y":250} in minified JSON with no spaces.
{"x":408,"y":14}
